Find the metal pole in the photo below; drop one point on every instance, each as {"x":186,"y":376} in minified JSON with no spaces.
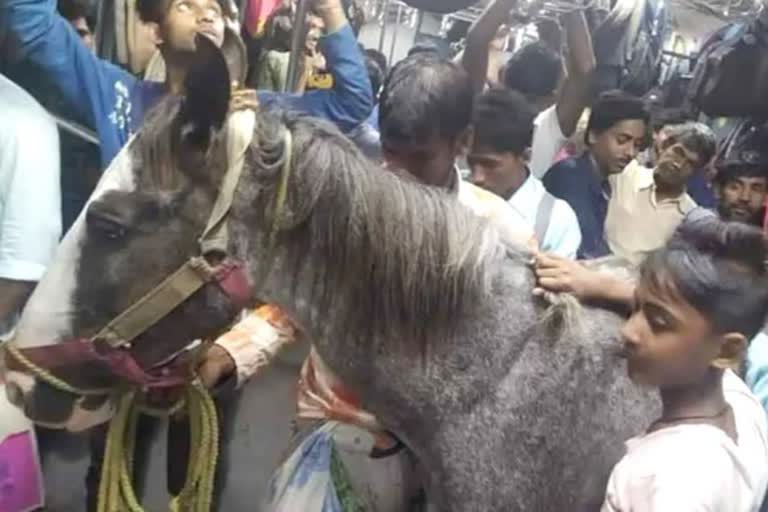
{"x":384,"y":22}
{"x":76,"y":130}
{"x":419,"y":23}
{"x":298,"y":41}
{"x":394,"y":33}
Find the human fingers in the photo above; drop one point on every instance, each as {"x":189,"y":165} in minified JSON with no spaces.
{"x":550,"y":272}
{"x":243,"y":104}
{"x":554,"y":284}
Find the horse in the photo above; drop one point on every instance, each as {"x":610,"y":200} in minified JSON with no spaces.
{"x":415,"y":302}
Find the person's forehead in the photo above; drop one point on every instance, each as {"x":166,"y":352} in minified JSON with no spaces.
{"x":224,"y":5}
{"x":660,"y":291}
{"x":634,"y":128}
{"x":486,"y":154}
{"x":680,"y":146}
{"x":748,"y":179}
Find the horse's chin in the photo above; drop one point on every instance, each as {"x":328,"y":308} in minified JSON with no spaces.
{"x":85,"y":419}
{"x":82,"y":419}
{"x":68,"y":412}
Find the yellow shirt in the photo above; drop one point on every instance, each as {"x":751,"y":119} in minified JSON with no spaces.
{"x":637,"y":223}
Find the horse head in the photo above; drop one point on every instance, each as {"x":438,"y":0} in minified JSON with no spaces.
{"x":141,"y":224}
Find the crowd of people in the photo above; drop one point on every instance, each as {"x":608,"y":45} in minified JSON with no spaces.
{"x":528,"y":144}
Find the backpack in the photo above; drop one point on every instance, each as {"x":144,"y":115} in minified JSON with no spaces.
{"x":730,"y":78}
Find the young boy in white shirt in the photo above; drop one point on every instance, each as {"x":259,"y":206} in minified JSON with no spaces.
{"x":697,"y":302}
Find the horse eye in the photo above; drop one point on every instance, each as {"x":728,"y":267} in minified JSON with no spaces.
{"x":105,"y":226}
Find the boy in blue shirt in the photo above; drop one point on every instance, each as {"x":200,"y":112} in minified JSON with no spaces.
{"x":615,"y":134}
{"x":113,"y":101}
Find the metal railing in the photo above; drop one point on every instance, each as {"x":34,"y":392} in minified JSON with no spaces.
{"x":75,"y":129}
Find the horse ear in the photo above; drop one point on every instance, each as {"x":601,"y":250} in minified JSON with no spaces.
{"x":206,"y":102}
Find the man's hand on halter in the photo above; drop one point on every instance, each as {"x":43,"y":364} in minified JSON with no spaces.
{"x":217,"y":365}
{"x":243,"y":99}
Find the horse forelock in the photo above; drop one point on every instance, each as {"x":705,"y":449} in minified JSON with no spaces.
{"x":408,"y":260}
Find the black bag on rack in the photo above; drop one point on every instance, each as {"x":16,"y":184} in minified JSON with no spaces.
{"x":731,"y":74}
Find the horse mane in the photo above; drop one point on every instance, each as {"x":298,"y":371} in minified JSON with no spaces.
{"x":410,"y":260}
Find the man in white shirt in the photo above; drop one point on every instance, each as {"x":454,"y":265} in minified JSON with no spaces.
{"x":30,"y":227}
{"x":503,"y":126}
{"x":535,"y":71}
{"x":30,"y":197}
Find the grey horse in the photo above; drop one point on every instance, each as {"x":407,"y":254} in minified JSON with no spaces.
{"x":416,"y":303}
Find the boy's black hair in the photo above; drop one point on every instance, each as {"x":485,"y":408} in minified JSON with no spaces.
{"x":735,"y":170}
{"x":611,"y":108}
{"x":425,"y":96}
{"x":662,"y":117}
{"x":423,"y":47}
{"x":375,"y":74}
{"x":503,"y":121}
{"x":534,"y":71}
{"x":379,"y":57}
{"x":717,"y":267}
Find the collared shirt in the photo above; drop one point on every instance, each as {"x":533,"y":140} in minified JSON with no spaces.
{"x":563,"y":236}
{"x":30,"y":195}
{"x":255,"y":340}
{"x":757,"y":368}
{"x":636,"y":222}
{"x":505,"y":217}
{"x":576,"y":181}
{"x":548,"y":140}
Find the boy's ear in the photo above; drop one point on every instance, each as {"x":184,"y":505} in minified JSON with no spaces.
{"x":155,"y":33}
{"x":733,"y":347}
{"x":464,"y":141}
{"x":526,"y":156}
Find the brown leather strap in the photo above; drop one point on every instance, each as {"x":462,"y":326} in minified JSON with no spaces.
{"x":158,"y":303}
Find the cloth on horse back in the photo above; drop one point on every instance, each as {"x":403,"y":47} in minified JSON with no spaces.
{"x":731,"y":76}
{"x":628,"y":47}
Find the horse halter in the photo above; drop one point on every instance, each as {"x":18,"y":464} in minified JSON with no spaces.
{"x":109,"y":347}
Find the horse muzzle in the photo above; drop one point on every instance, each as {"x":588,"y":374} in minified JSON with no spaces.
{"x":53,"y":408}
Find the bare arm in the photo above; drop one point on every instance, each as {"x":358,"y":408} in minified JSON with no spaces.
{"x":574,"y":94}
{"x":479,"y":38}
{"x":13,"y":294}
{"x":563,"y":275}
{"x":249,"y":347}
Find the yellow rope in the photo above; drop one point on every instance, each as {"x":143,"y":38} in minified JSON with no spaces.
{"x":116,"y":492}
{"x":48,"y":377}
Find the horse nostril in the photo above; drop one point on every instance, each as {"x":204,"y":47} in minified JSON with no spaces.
{"x":15,"y":394}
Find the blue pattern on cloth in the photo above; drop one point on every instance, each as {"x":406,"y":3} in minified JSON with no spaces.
{"x":304,"y":481}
